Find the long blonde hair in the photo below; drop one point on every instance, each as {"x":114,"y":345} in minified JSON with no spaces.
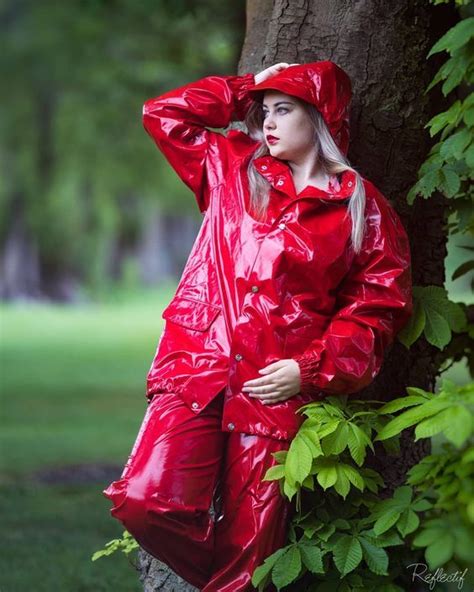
{"x":329,"y":157}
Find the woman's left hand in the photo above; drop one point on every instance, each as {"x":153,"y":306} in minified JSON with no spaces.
{"x":281,"y":380}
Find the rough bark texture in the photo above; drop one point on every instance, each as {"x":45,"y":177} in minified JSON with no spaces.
{"x":383,"y":47}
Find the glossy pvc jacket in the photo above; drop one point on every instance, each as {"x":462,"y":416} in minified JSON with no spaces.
{"x":290,"y":286}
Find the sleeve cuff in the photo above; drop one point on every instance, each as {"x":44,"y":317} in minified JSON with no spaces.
{"x":240,"y":86}
{"x":309,"y":366}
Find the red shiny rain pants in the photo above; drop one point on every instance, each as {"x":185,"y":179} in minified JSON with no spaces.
{"x":179,"y":464}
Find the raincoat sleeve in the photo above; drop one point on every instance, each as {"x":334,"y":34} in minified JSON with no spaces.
{"x":178,"y":121}
{"x":374,"y":302}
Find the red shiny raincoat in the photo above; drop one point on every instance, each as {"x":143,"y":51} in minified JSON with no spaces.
{"x":289,"y":286}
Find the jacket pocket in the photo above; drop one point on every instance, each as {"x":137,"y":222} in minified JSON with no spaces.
{"x":190,"y":313}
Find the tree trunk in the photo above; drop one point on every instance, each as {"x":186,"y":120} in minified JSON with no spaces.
{"x":383,"y":48}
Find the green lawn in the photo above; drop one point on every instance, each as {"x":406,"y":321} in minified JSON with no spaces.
{"x":73,"y":391}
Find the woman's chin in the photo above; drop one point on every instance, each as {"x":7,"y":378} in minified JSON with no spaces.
{"x":276,"y":152}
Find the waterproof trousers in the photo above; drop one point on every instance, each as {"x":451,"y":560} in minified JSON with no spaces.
{"x":182,"y":464}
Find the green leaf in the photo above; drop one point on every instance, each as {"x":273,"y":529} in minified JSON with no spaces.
{"x":410,"y":417}
{"x":358,"y":441}
{"x":432,"y":425}
{"x":430,"y":182}
{"x":468,"y":455}
{"x":328,"y":428}
{"x":386,"y":521}
{"x":327,"y":476}
{"x":415,"y":325}
{"x":309,"y":482}
{"x":388,"y":539}
{"x":353,"y":475}
{"x":455,"y":316}
{"x":455,"y":37}
{"x":299,"y":460}
{"x":413,"y":390}
{"x":460,"y":425}
{"x":458,"y":66}
{"x":287,"y":568}
{"x":375,"y":557}
{"x":289,"y":489}
{"x":453,"y":147}
{"x":275,"y":472}
{"x":422,"y":505}
{"x":442,"y":315}
{"x":427,"y":537}
{"x":465,"y":267}
{"x":403,"y":494}
{"x":311,"y":439}
{"x":312,"y":557}
{"x":469,"y":155}
{"x":402,"y":403}
{"x":408,"y":522}
{"x":450,"y":182}
{"x":347,"y":554}
{"x":263,"y":570}
{"x":280,"y":456}
{"x":342,"y":485}
{"x":437,"y":330}
{"x":440,"y":552}
{"x":336,"y":442}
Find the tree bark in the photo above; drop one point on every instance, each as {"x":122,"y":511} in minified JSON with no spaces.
{"x":383,"y":48}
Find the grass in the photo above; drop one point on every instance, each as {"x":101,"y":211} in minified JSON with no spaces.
{"x":73,"y":391}
{"x":49,"y":535}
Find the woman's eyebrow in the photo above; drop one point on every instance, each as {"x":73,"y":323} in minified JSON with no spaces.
{"x":279,"y":103}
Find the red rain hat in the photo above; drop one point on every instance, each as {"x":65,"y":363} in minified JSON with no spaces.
{"x":322,"y":84}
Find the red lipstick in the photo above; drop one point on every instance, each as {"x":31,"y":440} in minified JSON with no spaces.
{"x":272,"y":139}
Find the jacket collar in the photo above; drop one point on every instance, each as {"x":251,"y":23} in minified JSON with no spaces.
{"x":278,"y":173}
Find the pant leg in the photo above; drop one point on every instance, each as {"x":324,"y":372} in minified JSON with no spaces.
{"x":165,"y":492}
{"x":255,"y":515}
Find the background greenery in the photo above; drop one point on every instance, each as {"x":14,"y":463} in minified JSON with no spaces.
{"x":79,"y":177}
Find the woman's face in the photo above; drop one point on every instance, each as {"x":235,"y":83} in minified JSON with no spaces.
{"x":285,"y":119}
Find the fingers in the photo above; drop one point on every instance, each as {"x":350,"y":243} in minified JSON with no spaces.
{"x":271,"y":398}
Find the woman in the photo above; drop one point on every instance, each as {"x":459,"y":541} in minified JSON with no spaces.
{"x":298,"y":281}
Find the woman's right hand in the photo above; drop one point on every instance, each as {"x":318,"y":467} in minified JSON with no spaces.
{"x":271,"y":71}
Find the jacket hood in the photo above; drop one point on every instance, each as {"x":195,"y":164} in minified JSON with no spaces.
{"x":322,"y":84}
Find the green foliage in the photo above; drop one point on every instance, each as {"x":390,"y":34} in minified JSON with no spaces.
{"x":450,"y":164}
{"x":126,"y":545}
{"x":435,"y":316}
{"x":346,"y":542}
{"x":449,"y":169}
{"x":78,"y":168}
{"x":449,"y":412}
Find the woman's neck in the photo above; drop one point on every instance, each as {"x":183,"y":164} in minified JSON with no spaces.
{"x":307,"y":171}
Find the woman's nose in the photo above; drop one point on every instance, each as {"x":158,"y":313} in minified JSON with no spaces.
{"x":268,"y":123}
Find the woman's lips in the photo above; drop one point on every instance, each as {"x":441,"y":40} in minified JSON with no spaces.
{"x":272,"y":139}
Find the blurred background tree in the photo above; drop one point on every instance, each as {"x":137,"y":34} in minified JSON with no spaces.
{"x":85,"y":199}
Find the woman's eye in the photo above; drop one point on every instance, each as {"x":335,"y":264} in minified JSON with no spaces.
{"x":279,"y":110}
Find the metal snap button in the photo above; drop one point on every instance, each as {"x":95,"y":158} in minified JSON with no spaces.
{"x":264,"y":167}
{"x":350,"y":184}
{"x":254,"y":289}
{"x":282,"y":226}
{"x":195,"y":405}
{"x":238,"y":357}
{"x":231,"y":426}
{"x":280,"y":182}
